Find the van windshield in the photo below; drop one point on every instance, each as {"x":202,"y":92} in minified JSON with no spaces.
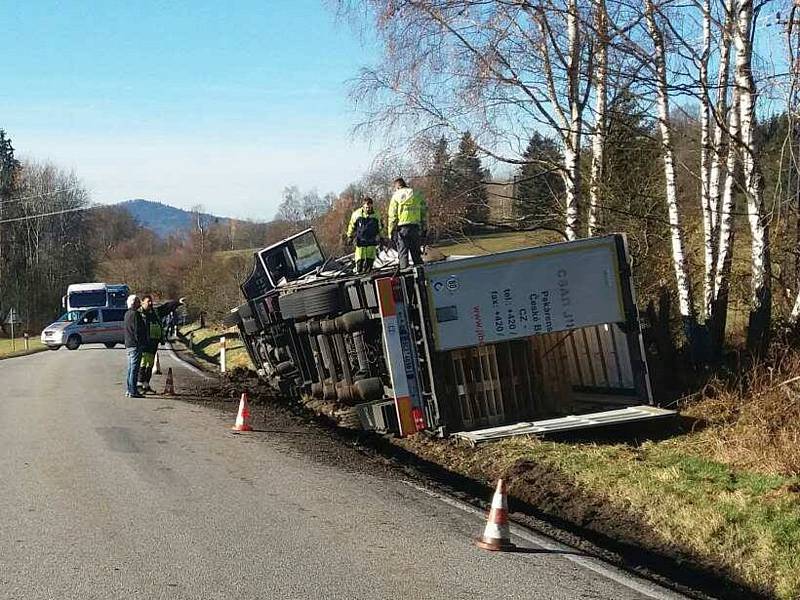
{"x":71,"y":316}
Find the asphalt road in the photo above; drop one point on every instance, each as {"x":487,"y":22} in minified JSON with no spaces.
{"x":108,"y":497}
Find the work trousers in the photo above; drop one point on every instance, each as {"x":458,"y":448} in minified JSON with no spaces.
{"x":364,"y":265}
{"x":134,"y":362}
{"x":146,"y":368}
{"x":409,"y":244}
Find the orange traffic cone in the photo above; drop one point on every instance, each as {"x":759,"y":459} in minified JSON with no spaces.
{"x":496,"y":535}
{"x":243,"y":418}
{"x":157,"y":367}
{"x":169,"y":388}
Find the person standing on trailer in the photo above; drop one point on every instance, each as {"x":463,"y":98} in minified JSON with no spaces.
{"x":408,"y":216}
{"x":365,"y":230}
{"x":153,"y":317}
{"x":135,"y":341}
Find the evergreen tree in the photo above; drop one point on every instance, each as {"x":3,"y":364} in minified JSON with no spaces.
{"x":469,"y":189}
{"x":9,"y":169}
{"x":540,"y":187}
{"x":438,"y":190}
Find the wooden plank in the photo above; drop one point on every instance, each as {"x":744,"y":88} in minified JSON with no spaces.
{"x":461,"y":388}
{"x":577,"y":360}
{"x":624,"y":357}
{"x":599,"y":356}
{"x":617,"y":368}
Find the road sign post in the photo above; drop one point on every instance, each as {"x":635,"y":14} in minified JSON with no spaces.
{"x":13,"y":319}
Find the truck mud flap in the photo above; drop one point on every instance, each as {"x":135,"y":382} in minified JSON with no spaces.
{"x":631,"y":414}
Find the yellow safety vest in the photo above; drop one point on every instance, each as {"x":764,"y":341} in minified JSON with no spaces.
{"x":407,"y":207}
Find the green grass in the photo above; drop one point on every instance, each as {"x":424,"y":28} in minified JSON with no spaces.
{"x":7,"y":349}
{"x":743,"y":523}
{"x":206,"y":345}
{"x":498,"y":242}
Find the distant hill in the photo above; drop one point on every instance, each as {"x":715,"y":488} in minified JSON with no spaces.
{"x":164,"y":220}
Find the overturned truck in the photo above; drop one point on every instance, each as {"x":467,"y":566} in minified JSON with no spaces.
{"x":525,"y":341}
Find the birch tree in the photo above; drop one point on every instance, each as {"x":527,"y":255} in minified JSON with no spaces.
{"x":599,"y":134}
{"x":684,"y":283}
{"x":761,"y":298}
{"x":705,"y":167}
{"x":714,"y":277}
{"x":722,"y":269}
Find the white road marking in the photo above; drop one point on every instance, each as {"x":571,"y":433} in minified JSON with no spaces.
{"x":187,"y":365}
{"x":651,"y":590}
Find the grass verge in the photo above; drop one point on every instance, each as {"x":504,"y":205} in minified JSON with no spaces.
{"x":206,"y":345}
{"x":660,"y":496}
{"x":8,"y":350}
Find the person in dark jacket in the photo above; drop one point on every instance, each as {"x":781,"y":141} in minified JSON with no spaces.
{"x":365,"y":230}
{"x":154,"y":319}
{"x":135,"y":340}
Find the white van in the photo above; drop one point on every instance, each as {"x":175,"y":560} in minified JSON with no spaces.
{"x":92,"y":326}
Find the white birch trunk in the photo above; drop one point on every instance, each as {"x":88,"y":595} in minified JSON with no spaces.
{"x":705,"y":151}
{"x":599,"y":134}
{"x":685,"y":304}
{"x":719,"y":148}
{"x":573,"y":145}
{"x":753,"y":184}
{"x":795,"y":316}
{"x":724,"y":244}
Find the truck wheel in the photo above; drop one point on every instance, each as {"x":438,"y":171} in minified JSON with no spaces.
{"x":322,"y":301}
{"x":109,"y":345}
{"x":291,"y":306}
{"x":73,"y":342}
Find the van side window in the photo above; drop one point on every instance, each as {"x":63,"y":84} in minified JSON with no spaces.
{"x":111,"y":315}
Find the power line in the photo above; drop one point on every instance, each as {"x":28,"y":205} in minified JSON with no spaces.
{"x":40,"y":195}
{"x":50,"y":214}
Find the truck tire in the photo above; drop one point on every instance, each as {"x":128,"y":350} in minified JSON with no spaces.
{"x":322,"y":300}
{"x":291,"y":306}
{"x":110,"y":345}
{"x":73,"y":342}
{"x":54,"y":347}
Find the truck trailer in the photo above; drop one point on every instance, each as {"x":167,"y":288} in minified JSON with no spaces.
{"x":526,"y":341}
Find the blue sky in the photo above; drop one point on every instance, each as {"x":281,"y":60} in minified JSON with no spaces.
{"x":212,"y":103}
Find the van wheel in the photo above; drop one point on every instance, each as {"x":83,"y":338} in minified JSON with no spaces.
{"x":73,"y":342}
{"x":110,"y":345}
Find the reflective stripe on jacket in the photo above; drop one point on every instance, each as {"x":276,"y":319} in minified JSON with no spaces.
{"x":358,"y":214}
{"x":407,"y":207}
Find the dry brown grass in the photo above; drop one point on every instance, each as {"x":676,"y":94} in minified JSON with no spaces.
{"x":753,"y":421}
